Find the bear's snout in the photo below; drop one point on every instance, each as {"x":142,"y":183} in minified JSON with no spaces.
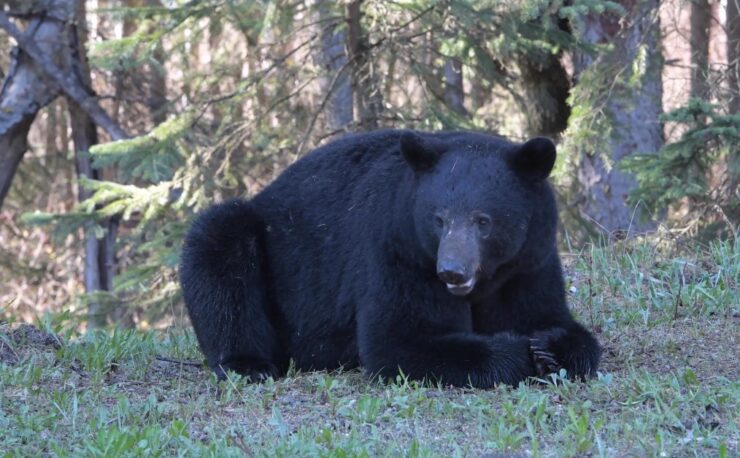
{"x":452,"y":275}
{"x":458,"y":260}
{"x":459,"y":282}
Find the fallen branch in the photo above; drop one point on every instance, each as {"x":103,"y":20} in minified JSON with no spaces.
{"x":177,"y":361}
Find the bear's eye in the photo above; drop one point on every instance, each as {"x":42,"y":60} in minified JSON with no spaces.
{"x":483,"y":221}
{"x":438,"y":221}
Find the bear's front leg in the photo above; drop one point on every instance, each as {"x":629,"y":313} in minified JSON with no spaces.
{"x":458,"y":359}
{"x":425,"y":337}
{"x":534,"y":304}
{"x":571,"y":347}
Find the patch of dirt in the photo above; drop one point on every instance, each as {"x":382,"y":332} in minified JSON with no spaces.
{"x":158,"y":371}
{"x":708,"y":346}
{"x":14,"y":342}
{"x":7,"y":352}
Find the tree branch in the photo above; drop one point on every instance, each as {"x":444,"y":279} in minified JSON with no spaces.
{"x":23,"y":93}
{"x":67,"y":81}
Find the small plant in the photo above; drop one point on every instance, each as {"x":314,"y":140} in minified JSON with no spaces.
{"x":683,"y":174}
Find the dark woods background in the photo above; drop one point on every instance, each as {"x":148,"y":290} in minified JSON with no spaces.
{"x":119,"y":120}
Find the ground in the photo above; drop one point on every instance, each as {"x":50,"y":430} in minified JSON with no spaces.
{"x":669,"y":384}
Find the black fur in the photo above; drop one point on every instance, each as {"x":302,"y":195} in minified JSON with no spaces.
{"x":334,"y":264}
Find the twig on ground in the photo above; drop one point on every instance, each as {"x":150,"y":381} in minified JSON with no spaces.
{"x":177,"y":361}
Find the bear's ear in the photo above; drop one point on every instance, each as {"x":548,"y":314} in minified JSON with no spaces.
{"x":534,"y":159}
{"x":421,"y":153}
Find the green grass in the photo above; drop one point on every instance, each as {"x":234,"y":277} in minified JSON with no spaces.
{"x":669,"y":322}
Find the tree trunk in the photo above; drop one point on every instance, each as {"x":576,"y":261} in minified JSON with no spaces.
{"x":24,"y":92}
{"x":157,"y":101}
{"x":431,"y":76}
{"x":99,"y":253}
{"x":331,"y":57}
{"x":700,"y":22}
{"x":546,"y":88}
{"x":157,"y":96}
{"x":733,"y":53}
{"x":85,"y":136}
{"x":51,"y":130}
{"x":367,"y":93}
{"x":454,"y":93}
{"x":4,"y":44}
{"x":733,"y":70}
{"x":147,"y":83}
{"x":633,"y":109}
{"x":446,"y":83}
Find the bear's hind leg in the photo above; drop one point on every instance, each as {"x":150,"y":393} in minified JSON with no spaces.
{"x":224,"y":284}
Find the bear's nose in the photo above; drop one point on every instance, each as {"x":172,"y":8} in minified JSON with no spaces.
{"x":452,"y":277}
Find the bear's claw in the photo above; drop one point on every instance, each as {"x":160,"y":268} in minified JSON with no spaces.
{"x":544,"y":361}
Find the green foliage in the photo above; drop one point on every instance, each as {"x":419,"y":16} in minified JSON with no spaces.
{"x":576,"y":9}
{"x":64,"y":224}
{"x":152,"y":157}
{"x":684,"y":172}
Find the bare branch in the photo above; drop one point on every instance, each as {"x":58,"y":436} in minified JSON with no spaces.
{"x":67,"y":82}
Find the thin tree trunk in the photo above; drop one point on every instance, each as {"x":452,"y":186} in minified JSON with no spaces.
{"x":64,"y":140}
{"x":4,"y":44}
{"x":85,"y":136}
{"x":331,"y":57}
{"x":454,"y":93}
{"x":215,"y":33}
{"x":633,"y":113}
{"x":390,"y":76}
{"x":99,"y":253}
{"x":445,"y":84}
{"x":367,"y":94}
{"x":733,"y":53}
{"x":480,"y":93}
{"x":733,"y":58}
{"x":700,"y":21}
{"x":427,"y":70}
{"x":51,"y":129}
{"x":157,"y":101}
{"x":119,"y":75}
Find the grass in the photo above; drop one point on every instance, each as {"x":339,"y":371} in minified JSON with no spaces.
{"x":669,"y":322}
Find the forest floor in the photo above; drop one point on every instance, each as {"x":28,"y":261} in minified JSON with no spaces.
{"x":669,"y":384}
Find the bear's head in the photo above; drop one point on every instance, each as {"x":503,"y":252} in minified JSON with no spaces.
{"x":480,"y":203}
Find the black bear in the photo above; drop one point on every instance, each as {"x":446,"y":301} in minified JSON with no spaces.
{"x":427,"y":254}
